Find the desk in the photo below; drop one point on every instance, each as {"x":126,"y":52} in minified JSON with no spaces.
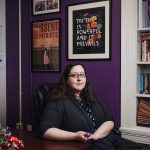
{"x":32,"y":142}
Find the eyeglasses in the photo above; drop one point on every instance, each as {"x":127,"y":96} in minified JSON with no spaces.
{"x":76,"y":75}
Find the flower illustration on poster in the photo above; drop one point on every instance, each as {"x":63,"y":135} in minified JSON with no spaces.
{"x":89,"y":31}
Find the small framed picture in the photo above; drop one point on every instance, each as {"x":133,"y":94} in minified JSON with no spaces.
{"x":89,"y":30}
{"x":45,"y":6}
{"x":46,"y":46}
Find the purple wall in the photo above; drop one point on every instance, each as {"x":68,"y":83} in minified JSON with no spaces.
{"x":104,"y":76}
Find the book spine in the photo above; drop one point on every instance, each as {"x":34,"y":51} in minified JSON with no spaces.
{"x":148,"y":83}
{"x":146,"y":51}
{"x":148,"y":13}
{"x":141,"y":83}
{"x":145,"y":83}
{"x":143,"y":51}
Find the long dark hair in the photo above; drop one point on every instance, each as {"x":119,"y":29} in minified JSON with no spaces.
{"x":63,"y":90}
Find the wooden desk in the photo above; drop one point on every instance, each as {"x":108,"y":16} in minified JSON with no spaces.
{"x":32,"y":142}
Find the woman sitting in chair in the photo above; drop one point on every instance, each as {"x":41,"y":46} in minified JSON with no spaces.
{"x":73,"y":112}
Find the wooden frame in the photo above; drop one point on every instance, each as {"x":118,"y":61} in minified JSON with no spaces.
{"x":45,"y":6}
{"x":89,"y":30}
{"x":46,"y":45}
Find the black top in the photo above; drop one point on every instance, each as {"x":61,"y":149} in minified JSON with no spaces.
{"x":67,"y":114}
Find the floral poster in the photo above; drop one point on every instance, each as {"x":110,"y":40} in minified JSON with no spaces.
{"x":90,"y":26}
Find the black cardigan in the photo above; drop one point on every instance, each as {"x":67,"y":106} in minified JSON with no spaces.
{"x":66,"y":114}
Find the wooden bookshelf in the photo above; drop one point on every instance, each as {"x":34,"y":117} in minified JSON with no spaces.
{"x":132,"y":25}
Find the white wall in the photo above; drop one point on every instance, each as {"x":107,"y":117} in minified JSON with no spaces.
{"x":2,"y":64}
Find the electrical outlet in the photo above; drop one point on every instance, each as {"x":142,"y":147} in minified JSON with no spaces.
{"x":29,"y":127}
{"x":19,"y":126}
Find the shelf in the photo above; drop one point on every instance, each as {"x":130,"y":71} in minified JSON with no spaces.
{"x":143,"y":95}
{"x":142,"y":63}
{"x":143,"y":29}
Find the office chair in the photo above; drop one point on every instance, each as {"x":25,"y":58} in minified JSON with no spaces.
{"x":40,"y":96}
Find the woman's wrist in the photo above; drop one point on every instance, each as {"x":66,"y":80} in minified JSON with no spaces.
{"x":95,"y":136}
{"x":75,"y":136}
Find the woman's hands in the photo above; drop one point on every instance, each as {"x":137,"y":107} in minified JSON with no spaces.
{"x":100,"y":133}
{"x":86,"y":136}
{"x":82,"y":136}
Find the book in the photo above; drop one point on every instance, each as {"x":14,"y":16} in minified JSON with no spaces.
{"x":144,"y":87}
{"x":145,"y":51}
{"x":146,"y":84}
{"x":141,"y":83}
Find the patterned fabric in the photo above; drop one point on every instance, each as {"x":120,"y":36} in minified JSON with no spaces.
{"x":89,"y":112}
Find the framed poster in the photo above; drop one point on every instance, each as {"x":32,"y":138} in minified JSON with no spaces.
{"x":45,"y":6}
{"x":89,"y":30}
{"x":46,"y":45}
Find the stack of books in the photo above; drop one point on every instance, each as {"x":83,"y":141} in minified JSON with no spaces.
{"x":144,"y":9}
{"x":145,"y":46}
{"x":143,"y":114}
{"x":144,"y":87}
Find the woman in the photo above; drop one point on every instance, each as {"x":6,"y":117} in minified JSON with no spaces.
{"x":74,"y":113}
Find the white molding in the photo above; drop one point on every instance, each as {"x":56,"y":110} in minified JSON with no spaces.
{"x":137,"y":134}
{"x":128,"y":45}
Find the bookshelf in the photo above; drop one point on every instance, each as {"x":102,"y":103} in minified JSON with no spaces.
{"x":132,"y":65}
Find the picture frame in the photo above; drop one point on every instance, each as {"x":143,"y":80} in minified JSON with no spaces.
{"x":46,"y":46}
{"x":45,"y":6}
{"x":89,"y":30}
